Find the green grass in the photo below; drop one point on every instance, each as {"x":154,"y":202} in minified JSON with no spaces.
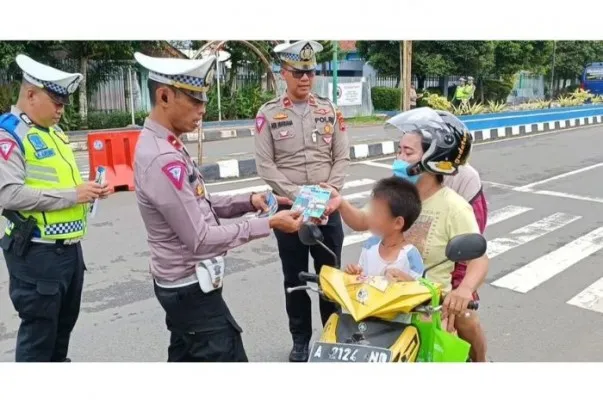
{"x":368,"y":120}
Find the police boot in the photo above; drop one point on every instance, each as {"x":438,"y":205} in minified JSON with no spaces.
{"x":300,"y":351}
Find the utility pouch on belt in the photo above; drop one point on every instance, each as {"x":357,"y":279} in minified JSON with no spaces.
{"x":210,"y":273}
{"x":22,"y":232}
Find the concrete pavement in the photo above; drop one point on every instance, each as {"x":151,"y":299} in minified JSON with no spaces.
{"x":545,"y":208}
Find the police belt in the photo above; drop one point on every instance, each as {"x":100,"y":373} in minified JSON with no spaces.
{"x":182,"y":282}
{"x":60,"y":242}
{"x":18,"y":221}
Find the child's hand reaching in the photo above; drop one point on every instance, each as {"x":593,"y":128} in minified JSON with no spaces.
{"x":353,"y":269}
{"x":396,"y":275}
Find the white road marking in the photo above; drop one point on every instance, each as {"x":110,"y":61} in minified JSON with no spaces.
{"x":499,"y":185}
{"x":358,"y":183}
{"x":356,"y":238}
{"x":560,"y":176}
{"x":357,"y":196}
{"x":494,"y":217}
{"x":568,"y":196}
{"x":376,"y":164}
{"x":228,"y":182}
{"x":590,"y":298}
{"x":528,"y":233}
{"x":502,"y":214}
{"x":261,"y":188}
{"x":545,"y":192}
{"x":544,"y":268}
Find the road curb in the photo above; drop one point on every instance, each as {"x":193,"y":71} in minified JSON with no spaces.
{"x":79,"y":142}
{"x":236,"y":169}
{"x":208,"y":136}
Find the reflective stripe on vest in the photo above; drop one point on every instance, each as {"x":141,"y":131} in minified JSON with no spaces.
{"x":50,"y":164}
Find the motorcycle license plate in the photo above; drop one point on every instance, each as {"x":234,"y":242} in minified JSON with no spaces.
{"x":346,"y":352}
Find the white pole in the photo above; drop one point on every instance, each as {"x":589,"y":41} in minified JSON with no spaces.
{"x":131,"y":95}
{"x":218,"y":83}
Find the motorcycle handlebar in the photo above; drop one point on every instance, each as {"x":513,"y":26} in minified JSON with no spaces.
{"x":308,"y":277}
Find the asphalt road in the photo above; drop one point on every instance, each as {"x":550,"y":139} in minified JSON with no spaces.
{"x":542,"y":301}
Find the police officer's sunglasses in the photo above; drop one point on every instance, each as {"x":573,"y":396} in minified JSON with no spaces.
{"x":299,"y":74}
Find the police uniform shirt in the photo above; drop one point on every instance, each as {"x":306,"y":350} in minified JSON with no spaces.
{"x":300,"y":143}
{"x":295,"y":147}
{"x":180,"y":216}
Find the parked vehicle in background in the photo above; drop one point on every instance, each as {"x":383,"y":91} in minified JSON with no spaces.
{"x":592,"y":78}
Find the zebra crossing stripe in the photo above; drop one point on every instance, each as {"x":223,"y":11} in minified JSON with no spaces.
{"x":262,"y":188}
{"x":528,"y":233}
{"x":508,"y":212}
{"x":494,"y":217}
{"x":590,"y":298}
{"x":349,"y":240}
{"x":544,"y":268}
{"x":357,"y":196}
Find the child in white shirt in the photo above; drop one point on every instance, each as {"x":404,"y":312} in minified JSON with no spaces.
{"x":394,"y":206}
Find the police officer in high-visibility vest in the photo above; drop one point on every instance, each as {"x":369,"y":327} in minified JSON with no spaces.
{"x":46,"y":203}
{"x":470,"y":88}
{"x":460,"y":94}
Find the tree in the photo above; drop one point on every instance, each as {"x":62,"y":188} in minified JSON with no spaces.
{"x":476,"y":58}
{"x":383,"y":55}
{"x":512,"y":56}
{"x":107,"y":57}
{"x":571,"y":56}
{"x":255,"y":55}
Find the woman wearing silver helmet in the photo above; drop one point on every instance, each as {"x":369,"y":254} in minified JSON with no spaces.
{"x":435,"y":145}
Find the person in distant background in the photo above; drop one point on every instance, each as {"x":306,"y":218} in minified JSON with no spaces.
{"x":470,"y":88}
{"x":460,"y":95}
{"x":413,"y":96}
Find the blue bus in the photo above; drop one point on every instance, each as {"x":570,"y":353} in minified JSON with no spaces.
{"x":592,"y":78}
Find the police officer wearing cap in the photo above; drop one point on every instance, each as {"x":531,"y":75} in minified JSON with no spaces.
{"x":460,"y":94}
{"x":301,"y":140}
{"x":186,"y":238}
{"x":46,"y":203}
{"x":470,"y":88}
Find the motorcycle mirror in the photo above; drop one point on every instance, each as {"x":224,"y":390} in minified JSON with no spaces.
{"x":466,"y":247}
{"x":310,"y":234}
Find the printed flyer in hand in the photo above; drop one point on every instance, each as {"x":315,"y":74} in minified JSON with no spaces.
{"x":312,"y":200}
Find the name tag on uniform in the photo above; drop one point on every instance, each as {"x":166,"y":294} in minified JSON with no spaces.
{"x":210,"y":273}
{"x":41,"y":150}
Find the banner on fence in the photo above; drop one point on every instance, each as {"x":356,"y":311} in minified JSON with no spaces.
{"x":348,"y":94}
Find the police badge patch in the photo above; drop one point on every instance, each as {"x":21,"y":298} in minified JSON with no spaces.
{"x":41,"y":150}
{"x":6,"y":148}
{"x":307,"y":52}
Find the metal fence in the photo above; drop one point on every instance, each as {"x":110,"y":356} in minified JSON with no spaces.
{"x":321,"y":88}
{"x":527,"y":87}
{"x":113,"y":93}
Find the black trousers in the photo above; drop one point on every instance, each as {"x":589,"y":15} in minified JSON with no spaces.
{"x":202,"y":329}
{"x":45,"y":287}
{"x":294,"y":258}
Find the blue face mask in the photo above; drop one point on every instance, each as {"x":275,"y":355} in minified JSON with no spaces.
{"x":400,"y":169}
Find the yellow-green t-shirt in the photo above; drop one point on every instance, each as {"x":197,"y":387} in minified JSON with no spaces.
{"x":443,"y":216}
